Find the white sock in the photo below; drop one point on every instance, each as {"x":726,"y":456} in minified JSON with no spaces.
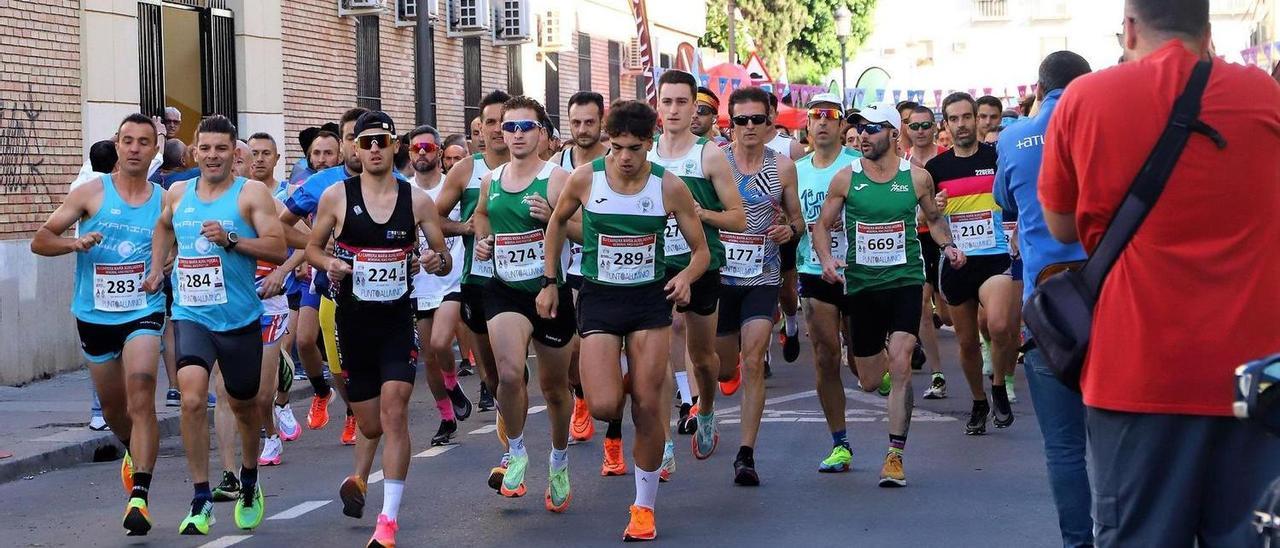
{"x":625,"y":365}
{"x":646,"y":488}
{"x":517,"y":446}
{"x":559,"y":458}
{"x":682,"y":382}
{"x":792,"y":326}
{"x":391,"y":491}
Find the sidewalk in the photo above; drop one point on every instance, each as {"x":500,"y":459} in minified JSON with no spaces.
{"x":45,"y":424}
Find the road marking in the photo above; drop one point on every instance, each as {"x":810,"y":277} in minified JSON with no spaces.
{"x":537,"y":409}
{"x":489,"y":428}
{"x":300,"y":509}
{"x":435,"y":451}
{"x":779,"y":399}
{"x":374,"y":478}
{"x":226,"y":541}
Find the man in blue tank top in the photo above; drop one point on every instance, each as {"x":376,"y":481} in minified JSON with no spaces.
{"x":118,"y":323}
{"x":221,"y":225}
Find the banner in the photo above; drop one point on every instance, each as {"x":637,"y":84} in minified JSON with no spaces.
{"x":641,"y":15}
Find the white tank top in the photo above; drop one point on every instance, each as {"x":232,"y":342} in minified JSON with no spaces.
{"x":430,"y":287}
{"x":780,"y":144}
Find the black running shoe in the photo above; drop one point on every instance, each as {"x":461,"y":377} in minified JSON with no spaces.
{"x":918,"y":358}
{"x":445,"y":434}
{"x":744,"y":473}
{"x":687,"y":423}
{"x":486,"y":399}
{"x":977,"y":424}
{"x":790,"y":345}
{"x":1002,"y":415}
{"x":461,"y":405}
{"x":228,"y":490}
{"x":464,"y":368}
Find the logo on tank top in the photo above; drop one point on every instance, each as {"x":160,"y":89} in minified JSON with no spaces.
{"x":116,"y":211}
{"x":689,"y":166}
{"x":125,"y":248}
{"x":203,"y":245}
{"x":859,"y":187}
{"x":397,"y":234}
{"x":978,"y":172}
{"x":357,"y":210}
{"x":646,"y":204}
{"x":895,"y":187}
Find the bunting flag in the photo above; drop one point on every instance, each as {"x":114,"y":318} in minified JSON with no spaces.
{"x":1022,"y":90}
{"x":879,"y":95}
{"x":641,"y":15}
{"x":897,"y":96}
{"x":937,"y":97}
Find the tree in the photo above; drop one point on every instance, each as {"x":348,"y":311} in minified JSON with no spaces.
{"x":815,"y":50}
{"x":798,"y":33}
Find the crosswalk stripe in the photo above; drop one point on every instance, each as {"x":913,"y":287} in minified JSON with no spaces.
{"x":300,"y":509}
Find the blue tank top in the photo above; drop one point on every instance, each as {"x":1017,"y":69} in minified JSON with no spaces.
{"x":213,"y":287}
{"x":108,"y":289}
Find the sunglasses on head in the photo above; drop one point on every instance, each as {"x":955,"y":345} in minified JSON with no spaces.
{"x":424,"y":148}
{"x":520,"y":126}
{"x":704,"y":110}
{"x":917,"y":126}
{"x":384,"y":140}
{"x":755,"y":119}
{"x":871,"y":128}
{"x":824,"y":113}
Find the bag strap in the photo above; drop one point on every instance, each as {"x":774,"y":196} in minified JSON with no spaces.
{"x":1151,"y":179}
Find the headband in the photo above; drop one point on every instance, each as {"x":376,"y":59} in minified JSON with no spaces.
{"x":710,"y":100}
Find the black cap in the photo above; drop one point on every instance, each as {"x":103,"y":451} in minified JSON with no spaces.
{"x":307,"y":136}
{"x":375,"y":119}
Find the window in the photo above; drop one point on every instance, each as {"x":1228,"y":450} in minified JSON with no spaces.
{"x":584,"y":62}
{"x":990,"y":10}
{"x":151,"y":59}
{"x":664,"y":60}
{"x":553,"y":88}
{"x":515,"y":71}
{"x":615,"y":70}
{"x":218,"y":62}
{"x":368,"y":64}
{"x":471,"y":94}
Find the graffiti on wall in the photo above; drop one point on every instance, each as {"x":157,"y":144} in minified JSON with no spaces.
{"x":20,"y":157}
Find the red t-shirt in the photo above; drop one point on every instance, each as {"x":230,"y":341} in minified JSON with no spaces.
{"x":1197,"y":290}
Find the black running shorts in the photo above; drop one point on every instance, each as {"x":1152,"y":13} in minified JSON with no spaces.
{"x":238,"y":354}
{"x":619,"y":310}
{"x":961,"y":286}
{"x":875,"y":314}
{"x":376,"y":346}
{"x":555,"y":332}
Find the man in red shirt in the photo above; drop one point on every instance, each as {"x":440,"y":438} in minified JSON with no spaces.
{"x":1192,"y":296}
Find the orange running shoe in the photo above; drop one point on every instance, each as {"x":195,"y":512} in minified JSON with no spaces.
{"x":730,"y":387}
{"x":352,"y":492}
{"x":126,"y":472}
{"x":318,"y":415}
{"x":615,"y":464}
{"x":581,"y":426}
{"x":349,"y":431}
{"x":641,"y":526}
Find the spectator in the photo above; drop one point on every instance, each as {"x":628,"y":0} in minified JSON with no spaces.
{"x":1170,"y":466}
{"x":103,"y":157}
{"x":172,"y":122}
{"x":455,"y":149}
{"x":476,"y":143}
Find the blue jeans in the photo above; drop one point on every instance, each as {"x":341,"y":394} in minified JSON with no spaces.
{"x":1060,"y":412}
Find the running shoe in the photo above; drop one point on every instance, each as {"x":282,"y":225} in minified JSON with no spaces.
{"x":668,"y":462}
{"x":172,"y":398}
{"x":686,"y":424}
{"x":464,"y":368}
{"x":349,"y":431}
{"x":937,"y":388}
{"x":581,"y":425}
{"x":96,"y":422}
{"x":137,"y":520}
{"x":1001,"y":412}
{"x":641,"y":526}
{"x":558,"y":494}
{"x":705,"y":438}
{"x":445,"y":434}
{"x":250,"y":508}
{"x":838,"y":461}
{"x":229,"y":489}
{"x":615,"y":464}
{"x":126,"y":472}
{"x":986,"y":358}
{"x":790,"y":344}
{"x":461,"y":404}
{"x":199,"y":520}
{"x":1008,"y":387}
{"x":384,"y":534}
{"x":513,"y":478}
{"x":891,"y":474}
{"x":486,"y":399}
{"x":977,"y":424}
{"x":498,"y":472}
{"x":885,"y":385}
{"x":351,"y":492}
{"x":730,"y":387}
{"x":318,"y":415}
{"x":918,"y":358}
{"x":744,"y":473}
{"x":213,"y":400}
{"x":286,"y":424}
{"x":272,"y":449}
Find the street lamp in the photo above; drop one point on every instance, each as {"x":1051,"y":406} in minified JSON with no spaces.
{"x":844,"y":23}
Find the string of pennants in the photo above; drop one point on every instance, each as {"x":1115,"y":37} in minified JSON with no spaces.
{"x":1263,"y":56}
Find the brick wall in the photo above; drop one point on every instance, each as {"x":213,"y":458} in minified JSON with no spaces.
{"x":41,"y":145}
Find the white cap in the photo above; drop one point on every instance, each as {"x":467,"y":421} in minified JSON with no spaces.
{"x":880,"y":113}
{"x":821,"y":98}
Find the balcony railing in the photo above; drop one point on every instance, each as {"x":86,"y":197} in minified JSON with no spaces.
{"x":990,"y":10}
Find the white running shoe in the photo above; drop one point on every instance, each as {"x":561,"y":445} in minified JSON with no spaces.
{"x":272,"y":448}
{"x":286,"y":425}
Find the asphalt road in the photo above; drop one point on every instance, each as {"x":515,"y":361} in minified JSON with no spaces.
{"x":963,"y":491}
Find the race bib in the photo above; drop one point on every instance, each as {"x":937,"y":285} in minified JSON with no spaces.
{"x":1009,"y":228}
{"x":673,"y":242}
{"x":483,"y":269}
{"x":518,"y":257}
{"x":972,"y":231}
{"x":430,"y":303}
{"x":743,"y":254}
{"x":200,"y":281}
{"x":118,"y":287}
{"x":839,"y":246}
{"x":881,"y":244}
{"x":626,"y":260}
{"x":380,"y":275}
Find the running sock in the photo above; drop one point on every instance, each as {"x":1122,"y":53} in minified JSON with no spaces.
{"x":450,"y":379}
{"x":391,"y":492}
{"x":445,"y":407}
{"x":320,"y":386}
{"x":517,"y":446}
{"x":248,"y":479}
{"x":682,"y":383}
{"x":141,"y":485}
{"x":577,"y":390}
{"x":646,"y":488}
{"x":705,"y":415}
{"x":897,"y":443}
{"x":559,"y":459}
{"x":1001,"y":398}
{"x":202,"y":492}
{"x":793,"y":327}
{"x":746,"y":455}
{"x":614,"y":432}
{"x":840,"y":437}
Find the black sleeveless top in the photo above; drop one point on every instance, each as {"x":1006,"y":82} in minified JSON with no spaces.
{"x":361,"y":234}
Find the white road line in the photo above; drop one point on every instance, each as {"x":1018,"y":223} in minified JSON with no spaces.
{"x":537,"y":409}
{"x":487,"y":429}
{"x":435,"y":451}
{"x":300,"y":509}
{"x":374,"y":478}
{"x":226,"y":541}
{"x":770,"y":401}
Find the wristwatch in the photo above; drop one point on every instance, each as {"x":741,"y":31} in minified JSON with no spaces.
{"x":548,"y":281}
{"x":949,"y":244}
{"x":232,"y":240}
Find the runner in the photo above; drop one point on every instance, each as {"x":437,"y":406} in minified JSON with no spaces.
{"x":706,"y":172}
{"x":626,"y":296}
{"x":706,"y":117}
{"x":752,"y":274}
{"x":990,"y":111}
{"x":221,"y":225}
{"x":964,"y":175}
{"x":876,"y":199}
{"x":822,"y":299}
{"x":515,"y":202}
{"x":788,"y":299}
{"x":369,"y":272}
{"x":118,"y":324}
{"x":921,"y":131}
{"x":586,"y":112}
{"x":438,"y":299}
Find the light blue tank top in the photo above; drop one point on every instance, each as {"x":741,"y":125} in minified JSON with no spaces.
{"x":211,"y":286}
{"x":109,"y":276}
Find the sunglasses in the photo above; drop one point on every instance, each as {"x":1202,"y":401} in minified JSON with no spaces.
{"x":424,"y":148}
{"x":704,"y":110}
{"x":384,"y":140}
{"x":872,"y":128}
{"x":917,"y":126}
{"x":755,"y":119}
{"x":824,"y":113}
{"x":520,"y":126}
